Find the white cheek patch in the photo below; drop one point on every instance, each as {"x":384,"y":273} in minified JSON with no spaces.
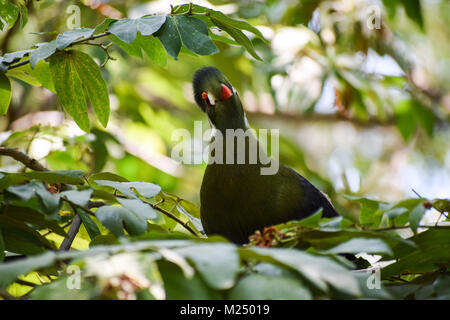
{"x":211,"y":99}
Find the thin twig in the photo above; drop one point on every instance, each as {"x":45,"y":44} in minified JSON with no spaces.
{"x":26,"y":283}
{"x":68,"y":223}
{"x":172,"y":216}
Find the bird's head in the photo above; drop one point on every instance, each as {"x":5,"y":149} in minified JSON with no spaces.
{"x":215,"y":95}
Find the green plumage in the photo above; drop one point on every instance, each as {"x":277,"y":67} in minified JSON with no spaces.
{"x":236,"y":199}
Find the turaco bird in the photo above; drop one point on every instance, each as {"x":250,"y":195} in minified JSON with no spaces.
{"x":236,"y":198}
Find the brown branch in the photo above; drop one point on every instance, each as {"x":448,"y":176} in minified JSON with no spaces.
{"x":71,"y":234}
{"x":23,"y":158}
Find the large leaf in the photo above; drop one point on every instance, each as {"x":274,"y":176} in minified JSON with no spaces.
{"x":76,"y":76}
{"x":8,"y":12}
{"x":189,"y":31}
{"x":416,"y":215}
{"x":43,"y":51}
{"x":79,"y":197}
{"x":132,"y":49}
{"x":10,"y":271}
{"x":94,"y":85}
{"x":145,"y":189}
{"x":65,"y":39}
{"x":263,"y":287}
{"x":5,"y":93}
{"x":359,"y":245}
{"x":126,"y":29}
{"x":433,"y":253}
{"x":217,"y":263}
{"x":27,"y":215}
{"x":69,"y":88}
{"x":140,"y":208}
{"x":153,"y":48}
{"x":58,"y":176}
{"x":322,"y":272}
{"x":237,"y":35}
{"x":114,"y":218}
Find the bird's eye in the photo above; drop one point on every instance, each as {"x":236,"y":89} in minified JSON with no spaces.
{"x":209,"y":99}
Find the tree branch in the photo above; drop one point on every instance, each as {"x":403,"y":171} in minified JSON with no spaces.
{"x":23,"y":158}
{"x":73,"y":230}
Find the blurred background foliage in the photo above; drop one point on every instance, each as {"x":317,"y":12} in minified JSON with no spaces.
{"x":359,"y":90}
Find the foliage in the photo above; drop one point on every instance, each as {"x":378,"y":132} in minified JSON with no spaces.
{"x":132,"y":238}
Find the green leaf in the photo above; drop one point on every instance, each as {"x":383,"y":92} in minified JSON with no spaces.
{"x":140,"y":208}
{"x":106,"y":176}
{"x":237,"y":24}
{"x":170,"y":37}
{"x":65,"y":39}
{"x":263,"y":287}
{"x":50,"y":202}
{"x":194,"y":35}
{"x":89,"y":224}
{"x":395,"y":212}
{"x":415,"y":216}
{"x":359,"y":245}
{"x":2,"y":246}
{"x":425,"y":117}
{"x":69,"y":88}
{"x":237,"y":35}
{"x":15,"y":56}
{"x":104,"y":25}
{"x":41,"y":73}
{"x":23,"y":76}
{"x":5,"y":93}
{"x":21,"y":238}
{"x":217,"y":263}
{"x":11,"y":270}
{"x":23,"y":12}
{"x":369,"y":209}
{"x":44,"y":51}
{"x":23,"y":192}
{"x":177,"y":286}
{"x":433,"y":252}
{"x":114,"y":218}
{"x":126,"y":29}
{"x":322,"y":272}
{"x":111,"y":218}
{"x":79,"y":197}
{"x":8,"y":12}
{"x":145,"y":189}
{"x":58,"y":176}
{"x":130,"y":48}
{"x":153,"y":48}
{"x":28,"y":215}
{"x":94,"y":84}
{"x":414,"y":11}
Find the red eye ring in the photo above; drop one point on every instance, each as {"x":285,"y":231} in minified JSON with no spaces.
{"x":206,"y":99}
